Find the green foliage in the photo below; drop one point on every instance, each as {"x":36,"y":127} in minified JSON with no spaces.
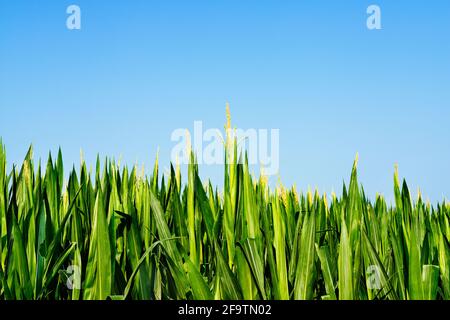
{"x":129,"y":236}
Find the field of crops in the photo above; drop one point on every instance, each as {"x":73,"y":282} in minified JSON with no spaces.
{"x":118,"y":234}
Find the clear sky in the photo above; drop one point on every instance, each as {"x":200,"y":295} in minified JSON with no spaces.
{"x":137,"y":70}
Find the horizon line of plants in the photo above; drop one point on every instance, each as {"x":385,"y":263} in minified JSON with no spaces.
{"x":130,"y":236}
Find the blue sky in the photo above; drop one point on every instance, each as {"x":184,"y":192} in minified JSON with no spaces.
{"x":137,"y":70}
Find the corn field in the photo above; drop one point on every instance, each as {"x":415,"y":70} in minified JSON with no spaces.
{"x":116,"y":233}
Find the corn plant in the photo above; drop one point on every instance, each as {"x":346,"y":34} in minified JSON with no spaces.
{"x":116,"y":233}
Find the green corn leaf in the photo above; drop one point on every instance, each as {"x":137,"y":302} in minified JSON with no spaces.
{"x":345,"y":266}
{"x":430,"y":282}
{"x":255,"y":263}
{"x":304,"y":285}
{"x":324,"y":257}
{"x":99,"y":273}
{"x":20,"y":261}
